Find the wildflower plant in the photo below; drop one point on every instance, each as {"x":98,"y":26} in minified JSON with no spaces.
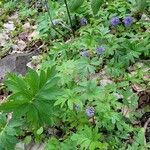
{"x":85,"y":87}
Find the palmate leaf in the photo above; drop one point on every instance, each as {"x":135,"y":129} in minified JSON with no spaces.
{"x":55,"y":144}
{"x":32,"y":96}
{"x":95,"y":5}
{"x":138,"y":143}
{"x":69,"y":97}
{"x":88,"y":138}
{"x":8,"y":133}
{"x":85,"y":67}
{"x":90,"y":90}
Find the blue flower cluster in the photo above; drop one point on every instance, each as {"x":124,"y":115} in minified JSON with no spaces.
{"x":83,"y":22}
{"x":100,"y":50}
{"x":127,"y":21}
{"x":115,"y":21}
{"x":90,"y":111}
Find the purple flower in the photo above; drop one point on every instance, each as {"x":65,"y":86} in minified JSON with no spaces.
{"x":83,"y":22}
{"x":128,"y":21}
{"x":90,"y":111}
{"x":100,"y":50}
{"x":85,"y":53}
{"x":115,"y":21}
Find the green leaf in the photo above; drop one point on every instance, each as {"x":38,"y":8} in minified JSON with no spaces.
{"x":39,"y":131}
{"x":139,"y":142}
{"x":95,"y":5}
{"x":8,"y":134}
{"x":88,"y":138}
{"x":33,"y":96}
{"x":27,"y":139}
{"x":9,"y":106}
{"x":141,"y":5}
{"x":53,"y":144}
{"x":33,"y":84}
{"x":75,"y":4}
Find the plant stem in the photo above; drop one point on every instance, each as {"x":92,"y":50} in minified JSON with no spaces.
{"x":69,"y":17}
{"x":93,"y":121}
{"x":48,"y":10}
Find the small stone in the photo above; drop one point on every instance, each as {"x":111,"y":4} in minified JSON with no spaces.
{"x":14,"y":16}
{"x":53,"y":132}
{"x":14,"y":63}
{"x":104,"y":82}
{"x":20,"y":146}
{"x":15,"y":47}
{"x":21,"y":45}
{"x":9,"y":26}
{"x":34,"y":146}
{"x":26,"y":26}
{"x":3,"y":38}
{"x":33,"y":35}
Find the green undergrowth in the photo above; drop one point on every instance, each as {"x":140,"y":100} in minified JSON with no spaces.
{"x":84,"y":87}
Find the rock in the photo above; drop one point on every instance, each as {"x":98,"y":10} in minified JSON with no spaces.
{"x":53,"y":132}
{"x":21,"y":45}
{"x":36,"y":147}
{"x":20,"y":146}
{"x":36,"y":62}
{"x":14,"y":16}
{"x":31,"y":146}
{"x":14,"y":48}
{"x":104,"y":82}
{"x":9,"y":26}
{"x":3,"y":38}
{"x":26,"y":26}
{"x":14,"y":63}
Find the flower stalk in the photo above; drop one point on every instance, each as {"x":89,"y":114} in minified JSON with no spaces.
{"x":49,"y":14}
{"x":69,"y":16}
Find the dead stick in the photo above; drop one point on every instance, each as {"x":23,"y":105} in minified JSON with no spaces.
{"x":145,"y":127}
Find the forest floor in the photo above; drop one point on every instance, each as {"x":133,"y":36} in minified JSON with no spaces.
{"x":21,"y":46}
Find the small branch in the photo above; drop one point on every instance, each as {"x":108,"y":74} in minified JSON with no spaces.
{"x":146,"y":123}
{"x":65,"y":26}
{"x":145,"y":127}
{"x":69,"y":17}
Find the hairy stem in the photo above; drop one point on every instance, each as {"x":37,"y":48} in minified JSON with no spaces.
{"x":65,"y":1}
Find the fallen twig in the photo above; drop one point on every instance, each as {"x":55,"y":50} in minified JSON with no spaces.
{"x":145,"y":127}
